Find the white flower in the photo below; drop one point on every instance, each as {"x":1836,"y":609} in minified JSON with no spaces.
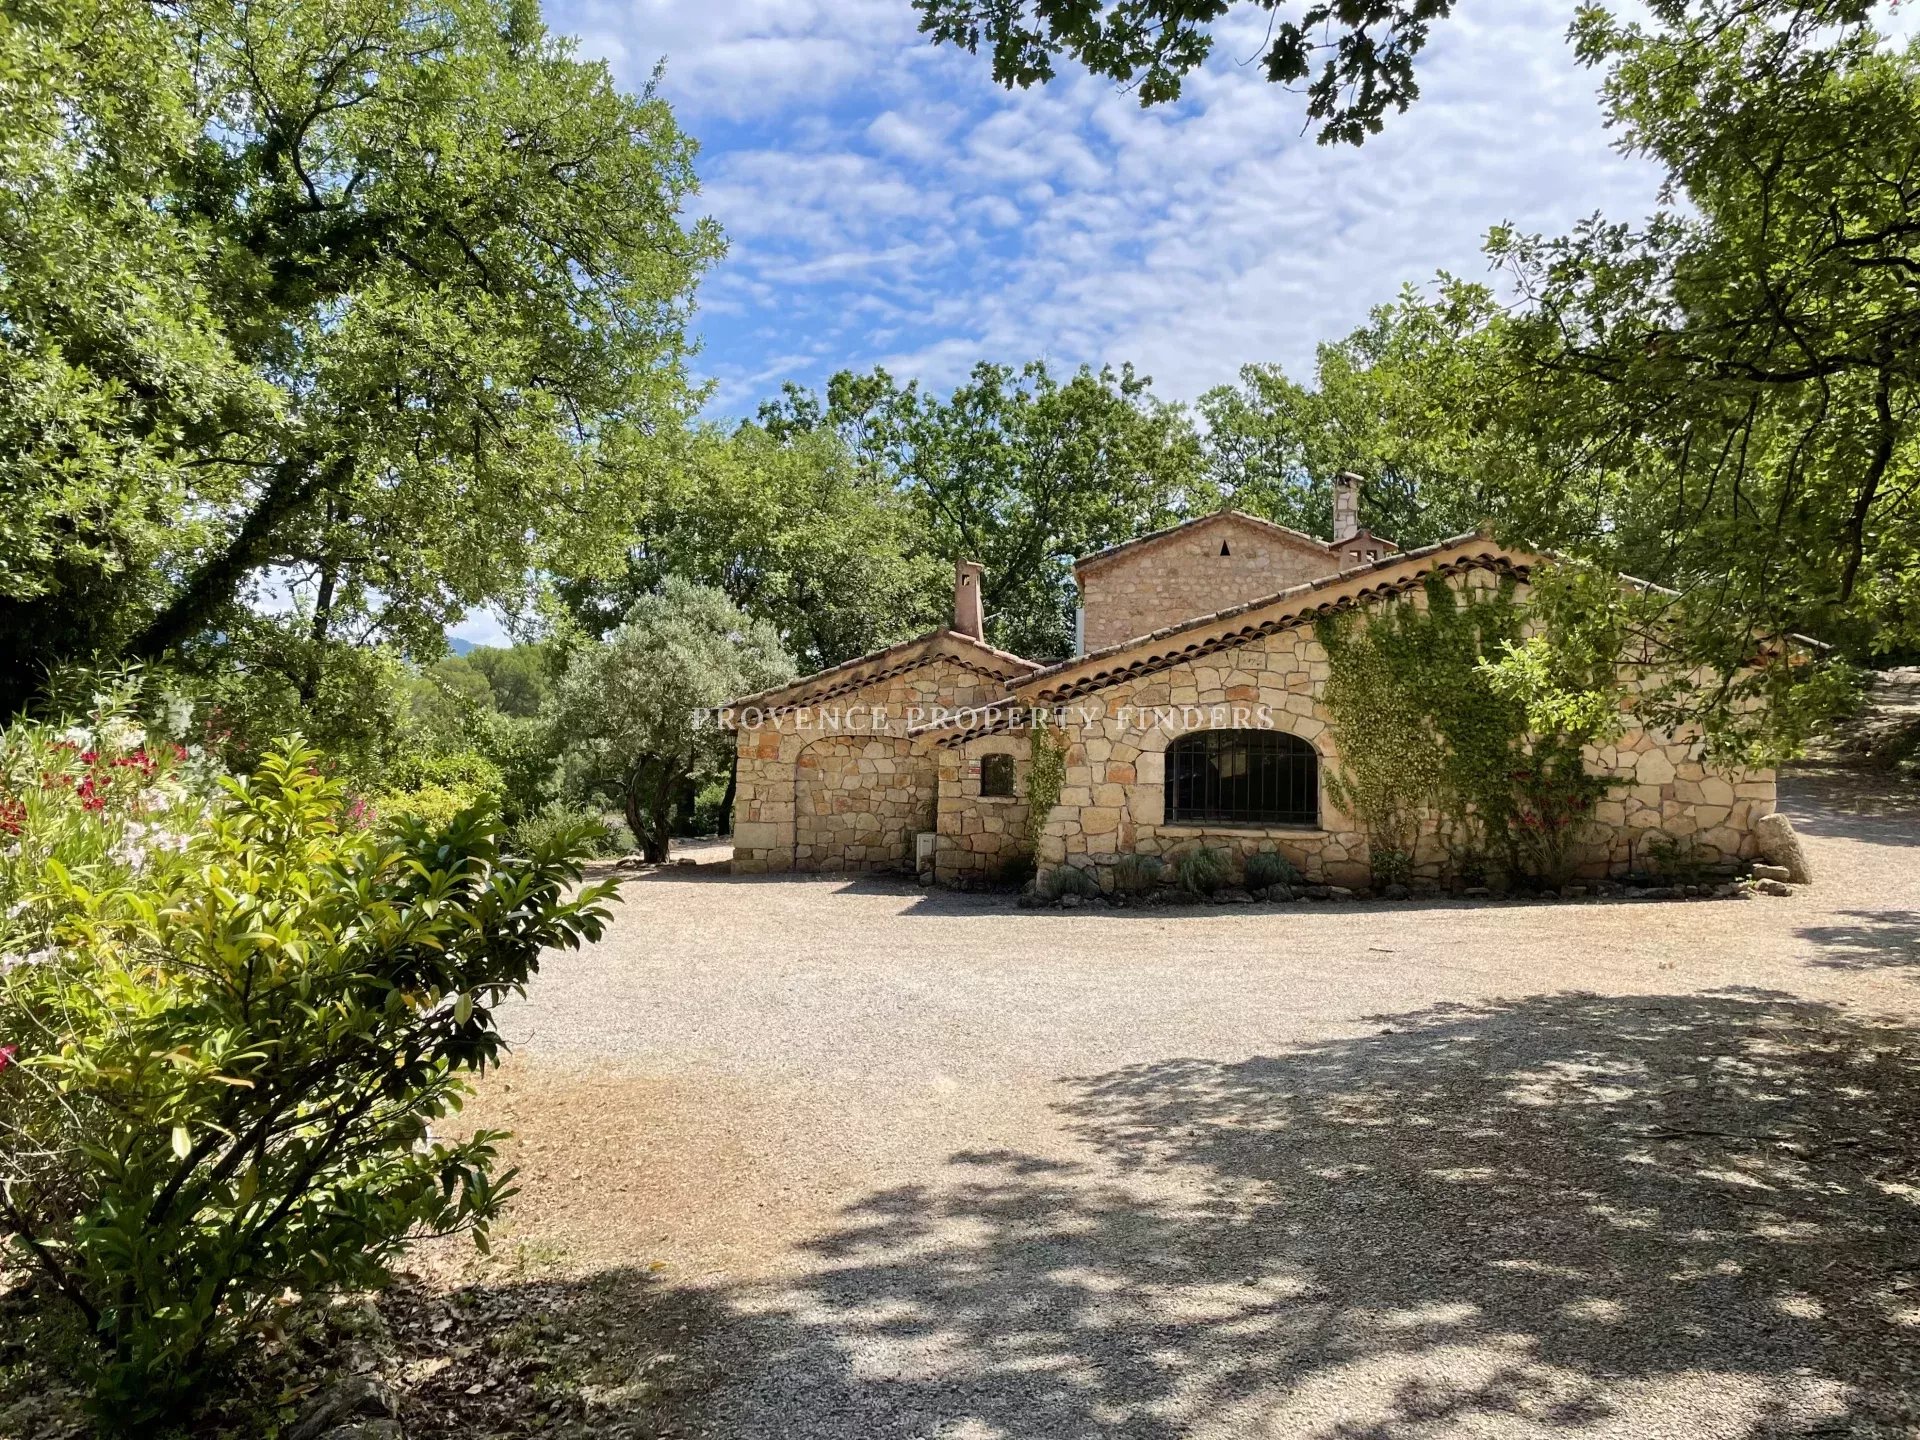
{"x":121,"y":734}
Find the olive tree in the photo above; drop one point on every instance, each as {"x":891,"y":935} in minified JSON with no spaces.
{"x":632,"y":711}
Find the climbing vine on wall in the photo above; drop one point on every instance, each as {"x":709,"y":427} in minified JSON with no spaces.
{"x":1442,"y":714}
{"x":1046,"y":772}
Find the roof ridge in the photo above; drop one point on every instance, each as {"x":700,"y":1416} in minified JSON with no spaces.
{"x":1226,"y":513}
{"x":811,"y":683}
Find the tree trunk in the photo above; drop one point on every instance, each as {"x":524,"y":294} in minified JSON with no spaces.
{"x":649,"y":806}
{"x":317,"y":638}
{"x":637,"y":823}
{"x":660,"y":831}
{"x":217,"y":582}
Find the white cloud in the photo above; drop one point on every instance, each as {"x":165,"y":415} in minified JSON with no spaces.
{"x":888,"y":204}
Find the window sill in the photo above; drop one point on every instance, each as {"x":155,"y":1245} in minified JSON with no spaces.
{"x":999,"y":799}
{"x":1197,"y":827}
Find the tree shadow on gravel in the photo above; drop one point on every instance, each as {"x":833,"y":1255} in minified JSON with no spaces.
{"x":1868,"y":940}
{"x":1849,"y":803}
{"x":1566,"y":1215}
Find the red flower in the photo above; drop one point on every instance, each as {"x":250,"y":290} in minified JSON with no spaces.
{"x":7,"y":1053}
{"x":13,"y":815}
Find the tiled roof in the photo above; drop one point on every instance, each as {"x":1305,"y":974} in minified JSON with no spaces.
{"x":992,"y":718}
{"x":884,"y":664}
{"x":1297,"y":605}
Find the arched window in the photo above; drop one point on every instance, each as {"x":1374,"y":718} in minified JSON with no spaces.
{"x":996,"y":775}
{"x":1242,"y":777}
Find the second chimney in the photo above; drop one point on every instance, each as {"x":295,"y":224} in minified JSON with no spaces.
{"x":969,"y":618}
{"x":1346,"y":506}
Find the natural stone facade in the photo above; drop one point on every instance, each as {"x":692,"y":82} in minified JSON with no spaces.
{"x":1113,"y":799}
{"x":843,"y":770}
{"x":826,"y":777}
{"x":1113,"y":796}
{"x":1175,"y":575}
{"x":858,"y":802}
{"x":980,"y":837}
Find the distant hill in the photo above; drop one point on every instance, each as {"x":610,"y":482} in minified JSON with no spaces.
{"x":459,"y":646}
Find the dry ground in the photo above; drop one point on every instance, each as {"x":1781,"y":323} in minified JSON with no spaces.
{"x":820,"y":1158}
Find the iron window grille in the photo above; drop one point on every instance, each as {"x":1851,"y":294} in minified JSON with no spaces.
{"x":1242,"y":777}
{"x":996,"y":776}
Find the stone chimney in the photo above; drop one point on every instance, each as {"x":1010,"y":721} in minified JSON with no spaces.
{"x":1346,"y":506}
{"x":969,"y":618}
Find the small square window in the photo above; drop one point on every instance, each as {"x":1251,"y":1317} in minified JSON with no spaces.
{"x":996,"y":776}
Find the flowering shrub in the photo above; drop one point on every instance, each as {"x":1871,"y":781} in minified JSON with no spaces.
{"x":100,"y":800}
{"x":223,"y":1054}
{"x":1555,"y":796}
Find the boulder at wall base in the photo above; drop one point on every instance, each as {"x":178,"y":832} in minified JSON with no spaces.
{"x":1779,"y":845}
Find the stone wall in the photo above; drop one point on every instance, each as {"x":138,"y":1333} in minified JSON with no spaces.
{"x":1113,"y":797}
{"x":979,"y":837}
{"x":834,"y":784}
{"x":859,"y":801}
{"x":1113,"y":794}
{"x":1185,"y":575}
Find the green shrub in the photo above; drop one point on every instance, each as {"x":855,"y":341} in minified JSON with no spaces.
{"x":709,"y":809}
{"x":1269,"y":868}
{"x":432,"y":789}
{"x":521,"y":748}
{"x":1138,"y":874}
{"x":1064,"y":880}
{"x":1202,"y":870}
{"x":223,"y":1063}
{"x":1392,"y":867}
{"x":601,"y":837}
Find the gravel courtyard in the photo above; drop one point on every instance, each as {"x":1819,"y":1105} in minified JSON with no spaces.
{"x":874,"y":1162}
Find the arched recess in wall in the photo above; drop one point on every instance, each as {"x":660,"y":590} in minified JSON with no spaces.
{"x":1258,"y":777}
{"x":858,"y":801}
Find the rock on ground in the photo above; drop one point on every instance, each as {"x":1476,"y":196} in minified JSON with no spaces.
{"x":1780,"y":845}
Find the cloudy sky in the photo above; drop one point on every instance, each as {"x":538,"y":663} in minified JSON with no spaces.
{"x":887,"y":204}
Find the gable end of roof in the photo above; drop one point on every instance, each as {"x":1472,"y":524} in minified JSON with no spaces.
{"x":1242,"y":624}
{"x":1140,"y":543}
{"x":887,"y":663}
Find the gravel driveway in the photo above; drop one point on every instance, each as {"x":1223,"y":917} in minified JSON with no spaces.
{"x":901,"y":1164}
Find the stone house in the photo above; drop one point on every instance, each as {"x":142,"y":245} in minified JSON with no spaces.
{"x":1192,"y":714}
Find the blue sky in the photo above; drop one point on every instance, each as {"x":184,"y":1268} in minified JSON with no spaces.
{"x":885,"y":203}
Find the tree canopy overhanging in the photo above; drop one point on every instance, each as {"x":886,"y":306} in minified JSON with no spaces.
{"x":1354,"y":60}
{"x":346,"y":297}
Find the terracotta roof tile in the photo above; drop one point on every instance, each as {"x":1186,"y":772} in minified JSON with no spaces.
{"x":884,"y":664}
